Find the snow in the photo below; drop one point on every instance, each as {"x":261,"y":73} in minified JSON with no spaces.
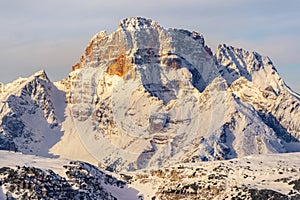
{"x":109,"y":118}
{"x":127,"y":193}
{"x":132,"y":104}
{"x":27,"y":103}
{"x":257,"y":171}
{"x":70,"y":145}
{"x":58,"y":98}
{"x":12,"y":159}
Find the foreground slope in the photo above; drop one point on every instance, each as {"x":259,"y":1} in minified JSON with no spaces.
{"x":253,"y":177}
{"x":32,"y":177}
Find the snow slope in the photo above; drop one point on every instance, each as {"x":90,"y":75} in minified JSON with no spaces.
{"x":69,"y":176}
{"x":275,"y":176}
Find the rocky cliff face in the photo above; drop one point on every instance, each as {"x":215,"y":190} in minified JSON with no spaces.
{"x":148,"y":96}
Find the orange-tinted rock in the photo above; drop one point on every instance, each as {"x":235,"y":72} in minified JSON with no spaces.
{"x":89,"y":49}
{"x":120,"y":66}
{"x":79,"y":64}
{"x":76,"y":66}
{"x":87,"y":56}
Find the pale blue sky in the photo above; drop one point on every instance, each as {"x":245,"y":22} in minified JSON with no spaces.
{"x":52,"y":35}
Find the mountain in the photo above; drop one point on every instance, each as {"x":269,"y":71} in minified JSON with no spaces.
{"x":145,"y":96}
{"x":150,"y":104}
{"x":31,"y":113}
{"x":148,"y":96}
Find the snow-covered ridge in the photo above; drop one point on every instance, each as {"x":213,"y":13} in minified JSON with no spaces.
{"x":254,"y":67}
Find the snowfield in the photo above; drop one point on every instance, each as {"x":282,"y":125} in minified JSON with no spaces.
{"x":253,"y":177}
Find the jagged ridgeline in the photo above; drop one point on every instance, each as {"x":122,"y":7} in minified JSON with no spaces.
{"x":146,"y":96}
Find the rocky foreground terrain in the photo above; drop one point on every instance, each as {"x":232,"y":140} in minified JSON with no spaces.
{"x":254,"y":177}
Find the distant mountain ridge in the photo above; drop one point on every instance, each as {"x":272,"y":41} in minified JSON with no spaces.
{"x":145,"y":96}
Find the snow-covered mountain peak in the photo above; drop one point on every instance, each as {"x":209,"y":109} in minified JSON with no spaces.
{"x":16,"y":87}
{"x":32,"y":110}
{"x":258,"y":61}
{"x":41,"y":75}
{"x":145,"y":93}
{"x":242,"y":62}
{"x":146,"y":96}
{"x":237,"y":62}
{"x":138,"y":23}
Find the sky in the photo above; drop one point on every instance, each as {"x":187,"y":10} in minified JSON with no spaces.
{"x":52,"y":35}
